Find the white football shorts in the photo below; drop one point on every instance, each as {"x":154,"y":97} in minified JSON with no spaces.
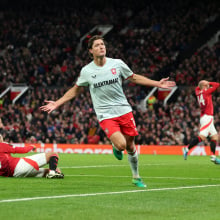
{"x":207,"y":127}
{"x":30,"y":166}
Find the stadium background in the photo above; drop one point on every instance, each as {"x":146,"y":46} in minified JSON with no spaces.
{"x":39,"y":48}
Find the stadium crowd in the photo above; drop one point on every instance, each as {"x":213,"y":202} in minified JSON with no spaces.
{"x":41,"y":51}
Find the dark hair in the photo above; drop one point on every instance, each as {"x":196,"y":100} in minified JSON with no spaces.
{"x":92,"y":39}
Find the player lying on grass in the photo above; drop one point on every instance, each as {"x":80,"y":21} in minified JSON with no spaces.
{"x":30,"y":166}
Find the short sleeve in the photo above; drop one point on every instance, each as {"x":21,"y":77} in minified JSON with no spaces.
{"x":125,"y":70}
{"x":82,"y":80}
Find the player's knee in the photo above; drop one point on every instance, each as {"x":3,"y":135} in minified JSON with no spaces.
{"x":214,"y":141}
{"x":51,"y":154}
{"x":201,"y":138}
{"x":214,"y":138}
{"x":55,"y":155}
{"x":121,"y":145}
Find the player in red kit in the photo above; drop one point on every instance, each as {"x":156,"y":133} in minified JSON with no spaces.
{"x":204,"y":92}
{"x":29,"y":166}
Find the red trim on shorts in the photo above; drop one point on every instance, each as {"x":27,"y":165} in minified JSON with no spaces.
{"x":205,"y":126}
{"x":31,"y":162}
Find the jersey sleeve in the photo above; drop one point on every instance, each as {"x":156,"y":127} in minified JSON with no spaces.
{"x":22,"y":150}
{"x":126,"y":71}
{"x":197,"y":90}
{"x":213,"y":87}
{"x":7,"y":148}
{"x":82,"y":81}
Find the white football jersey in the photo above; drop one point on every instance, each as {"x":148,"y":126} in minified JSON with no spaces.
{"x":105,"y":85}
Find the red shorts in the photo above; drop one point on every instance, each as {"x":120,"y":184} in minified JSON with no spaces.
{"x":125,"y":124}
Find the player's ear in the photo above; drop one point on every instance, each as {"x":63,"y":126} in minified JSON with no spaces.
{"x":90,"y":53}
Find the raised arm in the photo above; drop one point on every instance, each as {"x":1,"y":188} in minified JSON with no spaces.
{"x":70,"y":94}
{"x":142,"y":80}
{"x":213,"y":86}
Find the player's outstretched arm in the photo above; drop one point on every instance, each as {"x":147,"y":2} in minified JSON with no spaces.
{"x":142,"y":80}
{"x":52,"y":105}
{"x":165,"y":83}
{"x":49,"y":107}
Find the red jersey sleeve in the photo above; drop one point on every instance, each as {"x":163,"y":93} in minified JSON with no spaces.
{"x":8,"y":148}
{"x":23,"y":150}
{"x":213,"y":87}
{"x":197,"y":90}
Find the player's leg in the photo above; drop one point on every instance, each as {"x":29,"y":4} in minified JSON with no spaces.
{"x":129,"y":130}
{"x":119,"y":144}
{"x":23,"y":168}
{"x":133,"y":161}
{"x":127,"y":126}
{"x":45,"y":170}
{"x":213,"y":143}
{"x":27,"y":167}
{"x":112,"y":129}
{"x":41,"y":160}
{"x":52,"y":159}
{"x":205,"y":122}
{"x":192,"y":144}
{"x":132,"y":156}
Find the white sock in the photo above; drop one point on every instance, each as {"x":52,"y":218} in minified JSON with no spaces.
{"x":187,"y":149}
{"x":133,"y":161}
{"x":52,"y":172}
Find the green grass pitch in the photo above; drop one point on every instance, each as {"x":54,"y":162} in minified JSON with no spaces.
{"x":99,"y":187}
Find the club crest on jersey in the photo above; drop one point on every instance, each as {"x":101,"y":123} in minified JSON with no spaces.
{"x":113,"y":71}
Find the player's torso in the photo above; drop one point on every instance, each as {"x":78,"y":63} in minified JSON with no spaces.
{"x":105,"y":84}
{"x":205,"y":102}
{"x":104,"y":77}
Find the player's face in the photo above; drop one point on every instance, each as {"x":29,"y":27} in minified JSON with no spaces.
{"x":98,"y":48}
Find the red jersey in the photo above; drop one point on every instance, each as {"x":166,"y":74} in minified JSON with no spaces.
{"x":7,"y":162}
{"x":204,"y":98}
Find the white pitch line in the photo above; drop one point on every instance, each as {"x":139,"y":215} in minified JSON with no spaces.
{"x":108,"y":165}
{"x":105,"y":193}
{"x":148,"y":177}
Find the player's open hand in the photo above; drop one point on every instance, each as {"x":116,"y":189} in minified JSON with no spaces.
{"x":49,"y":107}
{"x":166,"y":84}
